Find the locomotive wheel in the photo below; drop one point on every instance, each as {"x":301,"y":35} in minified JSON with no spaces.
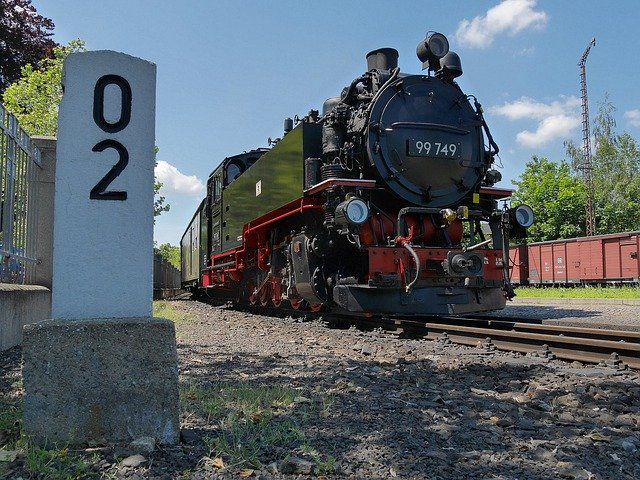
{"x":264,"y":295}
{"x":252,"y":296}
{"x":277,"y":295}
{"x":316,"y":307}
{"x":297,"y":303}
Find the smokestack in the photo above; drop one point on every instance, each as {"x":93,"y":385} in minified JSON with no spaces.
{"x":382,"y":59}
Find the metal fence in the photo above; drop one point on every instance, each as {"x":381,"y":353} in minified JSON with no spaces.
{"x":19,"y":158}
{"x":166,"y":278}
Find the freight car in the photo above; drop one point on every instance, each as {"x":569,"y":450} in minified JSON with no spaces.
{"x":382,"y":204}
{"x":598,"y":259}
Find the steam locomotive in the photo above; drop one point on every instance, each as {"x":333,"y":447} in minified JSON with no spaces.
{"x":382,"y":204}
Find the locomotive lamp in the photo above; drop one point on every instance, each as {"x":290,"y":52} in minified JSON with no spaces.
{"x":353,"y":211}
{"x":432,"y":49}
{"x":522,"y":216}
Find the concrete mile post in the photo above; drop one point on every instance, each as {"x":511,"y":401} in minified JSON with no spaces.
{"x":102,"y":369}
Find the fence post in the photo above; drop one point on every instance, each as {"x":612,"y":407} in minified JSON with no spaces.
{"x":45,"y":184}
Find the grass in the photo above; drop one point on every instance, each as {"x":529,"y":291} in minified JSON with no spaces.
{"x":579,"y":292}
{"x":10,"y":423}
{"x":52,"y":464}
{"x":256,"y":423}
{"x":163,"y":309}
{"x":56,"y":463}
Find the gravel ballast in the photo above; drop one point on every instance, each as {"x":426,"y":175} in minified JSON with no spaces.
{"x":372,"y":404}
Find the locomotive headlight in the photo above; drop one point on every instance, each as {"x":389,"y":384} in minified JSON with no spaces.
{"x":522,"y":216}
{"x":353,"y":211}
{"x":438,"y":44}
{"x":432,"y":49}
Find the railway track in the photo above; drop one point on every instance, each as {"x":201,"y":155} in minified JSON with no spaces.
{"x":615,"y":348}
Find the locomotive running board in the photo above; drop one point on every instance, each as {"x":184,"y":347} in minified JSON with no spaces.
{"x":340,"y":182}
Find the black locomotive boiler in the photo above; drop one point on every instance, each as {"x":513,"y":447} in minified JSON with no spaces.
{"x":382,"y":204}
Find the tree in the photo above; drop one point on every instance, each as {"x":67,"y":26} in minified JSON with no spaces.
{"x":615,"y":173}
{"x":556,"y":197}
{"x":158,"y":200}
{"x":24,"y":39}
{"x":171,"y":253}
{"x":35,"y":97}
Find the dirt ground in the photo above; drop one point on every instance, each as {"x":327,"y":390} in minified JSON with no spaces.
{"x":371,"y":404}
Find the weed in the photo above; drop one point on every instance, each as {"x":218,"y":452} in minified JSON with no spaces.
{"x":52,"y":464}
{"x":253,"y":422}
{"x":55,"y":464}
{"x":10,"y":424}
{"x":325,"y":464}
{"x":163,"y":309}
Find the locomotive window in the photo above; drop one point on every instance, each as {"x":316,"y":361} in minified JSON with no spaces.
{"x":217,"y":189}
{"x":233,"y":171}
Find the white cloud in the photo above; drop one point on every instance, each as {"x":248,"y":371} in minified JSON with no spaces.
{"x":551,"y":128}
{"x":555,"y":119}
{"x":633,"y":116}
{"x":526,"y":107}
{"x":174,"y":180}
{"x":510,"y":16}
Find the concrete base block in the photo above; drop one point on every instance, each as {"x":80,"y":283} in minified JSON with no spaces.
{"x":100,"y":379}
{"x":20,"y":305}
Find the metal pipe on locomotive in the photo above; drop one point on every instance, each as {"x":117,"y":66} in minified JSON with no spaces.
{"x":383,"y":204}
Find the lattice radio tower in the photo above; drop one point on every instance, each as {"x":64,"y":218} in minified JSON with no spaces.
{"x":586,"y":141}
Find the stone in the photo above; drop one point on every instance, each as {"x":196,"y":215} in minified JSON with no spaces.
{"x":112,"y":379}
{"x":133,"y":461}
{"x":190,"y":436}
{"x":295,"y":465}
{"x":566,"y":418}
{"x":629,"y":444}
{"x":504,"y":422}
{"x":301,"y":399}
{"x":143,"y":445}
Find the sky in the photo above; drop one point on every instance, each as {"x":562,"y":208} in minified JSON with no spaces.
{"x":230,"y":71}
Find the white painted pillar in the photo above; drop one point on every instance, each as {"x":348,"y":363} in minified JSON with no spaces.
{"x":103,"y":220}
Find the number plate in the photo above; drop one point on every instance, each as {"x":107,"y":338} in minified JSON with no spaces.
{"x":433,"y":148}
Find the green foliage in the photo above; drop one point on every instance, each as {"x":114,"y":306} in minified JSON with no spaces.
{"x":159,"y":204}
{"x":556,"y":197}
{"x":171,"y":253}
{"x":35,"y":97}
{"x":615,"y":172}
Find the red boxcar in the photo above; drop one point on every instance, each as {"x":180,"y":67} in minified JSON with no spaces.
{"x":599,"y":259}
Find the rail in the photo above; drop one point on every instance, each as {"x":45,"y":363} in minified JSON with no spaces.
{"x":617,"y":348}
{"x":19,"y":159}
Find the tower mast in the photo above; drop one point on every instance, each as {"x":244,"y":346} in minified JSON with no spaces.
{"x":586,"y":142}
